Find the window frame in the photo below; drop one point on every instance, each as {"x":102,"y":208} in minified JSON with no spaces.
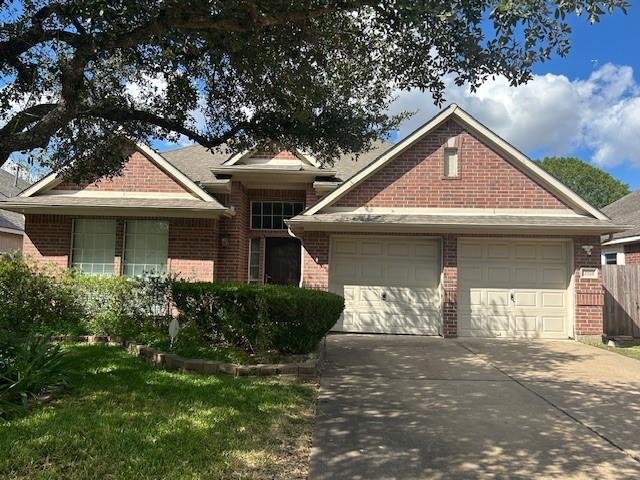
{"x":258,"y":242}
{"x":448,"y":151}
{"x":126,"y":231}
{"x":296,"y":208}
{"x":608,"y":255}
{"x":73,"y":263}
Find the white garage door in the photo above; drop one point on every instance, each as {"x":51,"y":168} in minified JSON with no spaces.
{"x":390,"y":285}
{"x":513,"y":288}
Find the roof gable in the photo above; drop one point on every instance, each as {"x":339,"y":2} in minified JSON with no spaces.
{"x":471,"y":125}
{"x":179,"y":182}
{"x":278,"y":157}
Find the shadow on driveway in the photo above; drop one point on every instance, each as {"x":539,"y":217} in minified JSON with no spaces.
{"x":422,"y":407}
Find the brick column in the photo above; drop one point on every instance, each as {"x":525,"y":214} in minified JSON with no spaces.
{"x":450,"y":285}
{"x":315,"y":267}
{"x":47,"y":239}
{"x":589,"y":294}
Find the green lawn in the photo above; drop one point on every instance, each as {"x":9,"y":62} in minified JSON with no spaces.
{"x":632,"y":351}
{"x":126,"y":420}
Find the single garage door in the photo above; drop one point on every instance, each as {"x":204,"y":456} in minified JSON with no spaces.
{"x":513,"y":288}
{"x":390,"y":284}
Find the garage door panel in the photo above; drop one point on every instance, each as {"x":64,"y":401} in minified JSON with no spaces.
{"x":553,"y":276}
{"x":372,"y":272}
{"x":497,"y":298}
{"x":525,"y":274}
{"x":553,"y":300}
{"x":526,"y":323}
{"x":553,"y":251}
{"x":427,"y":250}
{"x":390,"y":284}
{"x":526,"y":251}
{"x":398,"y":249}
{"x":345,"y":247}
{"x":552,"y":324}
{"x":371,"y":248}
{"x":498,"y":275}
{"x":526,"y":299}
{"x":536,"y":273}
{"x":498,"y":251}
{"x":477,"y":324}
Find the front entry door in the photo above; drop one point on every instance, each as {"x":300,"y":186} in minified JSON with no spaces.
{"x":282,"y":261}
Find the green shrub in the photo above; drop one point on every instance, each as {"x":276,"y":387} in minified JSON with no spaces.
{"x":33,"y":302}
{"x":259,"y":318}
{"x":28,"y":369}
{"x":122,"y":306}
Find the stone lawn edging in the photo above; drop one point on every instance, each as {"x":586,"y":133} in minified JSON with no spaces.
{"x":171,"y":361}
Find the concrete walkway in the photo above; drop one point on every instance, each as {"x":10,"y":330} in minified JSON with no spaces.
{"x":402,"y":407}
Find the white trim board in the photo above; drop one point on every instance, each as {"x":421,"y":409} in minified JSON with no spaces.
{"x":302,"y":156}
{"x":120,"y":194}
{"x":520,"y":212}
{"x":620,"y":241}
{"x":510,"y":153}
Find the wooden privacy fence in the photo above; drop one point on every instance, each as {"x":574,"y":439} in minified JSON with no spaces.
{"x":621,"y":300}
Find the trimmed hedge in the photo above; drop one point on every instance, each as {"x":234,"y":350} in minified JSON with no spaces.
{"x":258,"y":317}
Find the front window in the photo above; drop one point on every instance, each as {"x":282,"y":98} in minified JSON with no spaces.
{"x":94,"y":246}
{"x":254,"y":260}
{"x":611,"y":258}
{"x":271,"y":215}
{"x":146,"y":247}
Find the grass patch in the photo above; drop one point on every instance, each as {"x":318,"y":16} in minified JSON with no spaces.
{"x":124,"y":419}
{"x":632,"y":351}
{"x":193,"y":346}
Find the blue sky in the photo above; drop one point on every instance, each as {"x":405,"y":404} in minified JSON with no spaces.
{"x":586,"y":104}
{"x":615,"y":40}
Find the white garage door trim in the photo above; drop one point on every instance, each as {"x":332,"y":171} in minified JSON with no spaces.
{"x":405,"y":307}
{"x":486,"y":310}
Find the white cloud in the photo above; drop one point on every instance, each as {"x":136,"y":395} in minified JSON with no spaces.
{"x":551,"y":113}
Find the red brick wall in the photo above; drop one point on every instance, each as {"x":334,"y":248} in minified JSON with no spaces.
{"x":47,"y":239}
{"x":589,"y":296}
{"x":233,"y":249}
{"x":450,"y":285}
{"x":139,"y":174}
{"x":632,"y":254}
{"x":193,"y":248}
{"x":315,"y":260}
{"x":415,"y":179}
{"x":192,"y":244}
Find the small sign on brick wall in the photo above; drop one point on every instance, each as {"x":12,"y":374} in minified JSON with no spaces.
{"x":589,"y":272}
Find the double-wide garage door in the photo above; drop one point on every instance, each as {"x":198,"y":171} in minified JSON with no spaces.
{"x":513,"y":288}
{"x":390,"y":284}
{"x":506,"y":288}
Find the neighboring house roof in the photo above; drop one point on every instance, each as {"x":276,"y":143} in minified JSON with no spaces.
{"x":509,"y":152}
{"x":625,"y":210}
{"x":198,"y":162}
{"x":10,"y":186}
{"x":458,"y":222}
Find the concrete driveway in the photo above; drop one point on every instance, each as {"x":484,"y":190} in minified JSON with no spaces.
{"x":402,"y":407}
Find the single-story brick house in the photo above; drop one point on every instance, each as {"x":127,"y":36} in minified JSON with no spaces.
{"x":451,"y":231}
{"x":11,"y":223}
{"x":623,"y":247}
